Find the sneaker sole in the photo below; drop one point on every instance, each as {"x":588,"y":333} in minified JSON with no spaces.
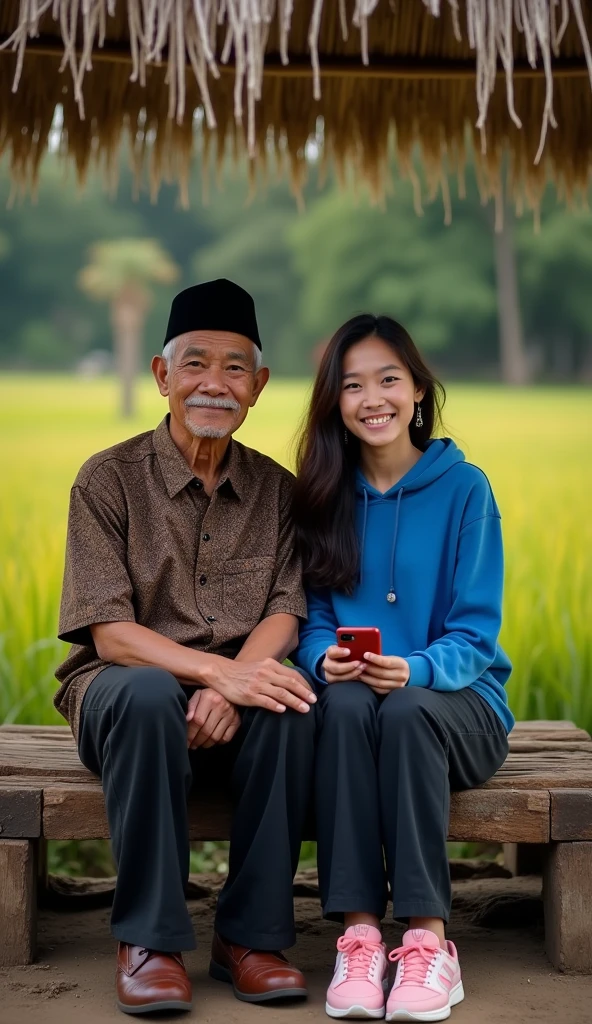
{"x":456,"y":996}
{"x":355,"y":1012}
{"x":165,"y":1004}
{"x":220,"y":973}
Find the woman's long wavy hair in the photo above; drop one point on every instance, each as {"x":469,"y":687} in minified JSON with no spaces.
{"x":324,"y":494}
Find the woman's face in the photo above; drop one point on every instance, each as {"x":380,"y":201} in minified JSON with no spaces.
{"x":377,"y":393}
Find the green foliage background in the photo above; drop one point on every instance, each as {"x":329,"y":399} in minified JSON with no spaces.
{"x":309,"y":271}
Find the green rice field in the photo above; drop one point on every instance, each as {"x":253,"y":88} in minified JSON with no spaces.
{"x":536,"y":447}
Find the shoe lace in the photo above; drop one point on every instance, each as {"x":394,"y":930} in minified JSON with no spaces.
{"x":360,"y":955}
{"x":417,"y":959}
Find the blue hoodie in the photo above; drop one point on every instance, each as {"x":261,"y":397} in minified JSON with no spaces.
{"x":434,"y":540}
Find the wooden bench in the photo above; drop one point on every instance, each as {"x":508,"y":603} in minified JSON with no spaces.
{"x":542,"y":796}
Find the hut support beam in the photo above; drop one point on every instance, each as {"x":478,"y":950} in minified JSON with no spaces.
{"x":380,"y":67}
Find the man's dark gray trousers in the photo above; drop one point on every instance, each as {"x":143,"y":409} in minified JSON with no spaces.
{"x":133,"y":734}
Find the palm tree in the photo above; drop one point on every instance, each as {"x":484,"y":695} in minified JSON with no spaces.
{"x":121,"y":272}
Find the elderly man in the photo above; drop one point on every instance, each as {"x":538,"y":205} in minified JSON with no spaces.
{"x":182,"y":595}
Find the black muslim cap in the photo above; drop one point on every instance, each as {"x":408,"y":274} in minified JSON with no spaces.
{"x":213,"y":306}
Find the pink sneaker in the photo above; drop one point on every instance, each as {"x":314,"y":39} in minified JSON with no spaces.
{"x":428,"y":981}
{"x":357,"y":989}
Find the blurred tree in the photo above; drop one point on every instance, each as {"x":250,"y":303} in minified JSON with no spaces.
{"x":555,"y":270}
{"x":437,"y":281}
{"x":250,"y":246}
{"x":121,"y":272}
{"x":46,"y":322}
{"x":180,"y":232}
{"x":514,"y":363}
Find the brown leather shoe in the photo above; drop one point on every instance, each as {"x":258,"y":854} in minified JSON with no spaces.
{"x":148,"y":981}
{"x":256,"y":976}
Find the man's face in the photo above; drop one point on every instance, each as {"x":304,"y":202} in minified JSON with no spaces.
{"x":211,"y":382}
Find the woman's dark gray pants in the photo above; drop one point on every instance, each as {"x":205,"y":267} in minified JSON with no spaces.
{"x":134,"y":735}
{"x":385,"y":769}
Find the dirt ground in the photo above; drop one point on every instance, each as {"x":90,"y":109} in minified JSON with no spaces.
{"x":507,"y":978}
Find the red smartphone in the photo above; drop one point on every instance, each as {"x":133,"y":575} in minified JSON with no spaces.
{"x":359,"y":640}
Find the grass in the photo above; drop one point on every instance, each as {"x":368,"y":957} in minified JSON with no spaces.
{"x":536,"y":447}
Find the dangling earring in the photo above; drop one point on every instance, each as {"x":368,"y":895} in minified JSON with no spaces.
{"x":345,"y":436}
{"x":419,"y":417}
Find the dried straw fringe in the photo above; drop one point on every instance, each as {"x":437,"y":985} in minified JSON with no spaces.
{"x":187,"y":30}
{"x":369,"y":131}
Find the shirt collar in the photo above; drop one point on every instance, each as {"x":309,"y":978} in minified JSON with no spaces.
{"x":177,"y":473}
{"x":233,"y":472}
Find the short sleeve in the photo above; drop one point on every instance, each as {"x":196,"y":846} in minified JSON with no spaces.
{"x":96,"y":587}
{"x":286,"y":594}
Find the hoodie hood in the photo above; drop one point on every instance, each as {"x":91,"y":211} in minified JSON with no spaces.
{"x":439,"y":456}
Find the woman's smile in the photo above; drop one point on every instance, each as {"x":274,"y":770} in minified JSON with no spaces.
{"x":377,"y":421}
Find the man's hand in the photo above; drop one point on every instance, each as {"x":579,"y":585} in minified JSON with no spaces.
{"x":337,"y":670}
{"x":264,"y":684}
{"x":384,"y":673}
{"x":211,"y":719}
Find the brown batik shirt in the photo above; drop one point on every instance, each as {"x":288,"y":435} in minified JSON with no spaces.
{"x":146,"y":544}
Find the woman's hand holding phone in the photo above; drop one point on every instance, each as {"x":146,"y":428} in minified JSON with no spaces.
{"x":337,"y":667}
{"x":351,"y":661}
{"x":384,"y":673}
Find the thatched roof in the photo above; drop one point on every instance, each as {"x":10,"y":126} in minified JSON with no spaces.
{"x":366,"y":77}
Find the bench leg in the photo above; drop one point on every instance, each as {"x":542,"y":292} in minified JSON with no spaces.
{"x":524,"y":858}
{"x":567,"y":891}
{"x":18,"y":901}
{"x":42,"y":873}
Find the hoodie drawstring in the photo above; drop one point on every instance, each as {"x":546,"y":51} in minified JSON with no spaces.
{"x":364,"y":521}
{"x":391,"y":596}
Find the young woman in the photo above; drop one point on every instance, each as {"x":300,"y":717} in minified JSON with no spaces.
{"x":397,"y":532}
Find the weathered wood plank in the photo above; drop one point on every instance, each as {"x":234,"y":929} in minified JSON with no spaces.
{"x":552,"y":730}
{"x":548,"y":769}
{"x":78,"y":812}
{"x":54,"y":731}
{"x":545,"y":780}
{"x":74,"y":811}
{"x":480,"y":815}
{"x":42,"y":782}
{"x":542,"y":755}
{"x":60,"y":732}
{"x":543,"y":758}
{"x":44,"y":763}
{"x":539,"y":769}
{"x":549,"y":736}
{"x":567,"y":892}
{"x":20,"y":812}
{"x":484,"y":815}
{"x":544,"y":724}
{"x":18,"y":902}
{"x":535,"y":746}
{"x":571,"y":815}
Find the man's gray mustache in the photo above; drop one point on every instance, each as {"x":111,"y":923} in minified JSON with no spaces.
{"x":212,"y":403}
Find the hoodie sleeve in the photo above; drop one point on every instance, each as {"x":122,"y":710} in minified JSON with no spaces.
{"x":316,"y":635}
{"x":469,"y":643}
